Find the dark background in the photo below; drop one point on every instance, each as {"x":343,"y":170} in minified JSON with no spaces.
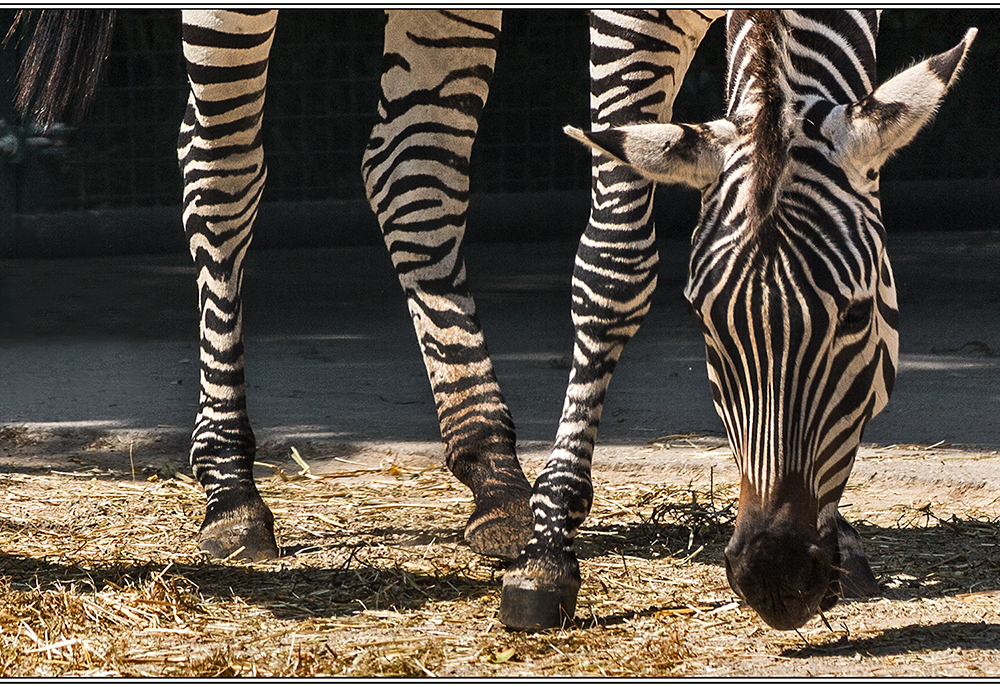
{"x":117,"y":184}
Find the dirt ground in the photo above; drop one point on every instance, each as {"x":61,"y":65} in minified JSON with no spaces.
{"x":102,"y":577}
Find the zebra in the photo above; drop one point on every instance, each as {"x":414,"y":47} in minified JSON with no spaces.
{"x":790,"y":280}
{"x":436,"y":73}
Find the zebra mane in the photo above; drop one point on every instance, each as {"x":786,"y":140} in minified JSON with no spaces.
{"x":776,"y":60}
{"x":760,"y":104}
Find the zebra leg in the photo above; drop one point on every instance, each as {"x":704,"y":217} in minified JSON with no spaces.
{"x":638,"y":61}
{"x":436,"y":73}
{"x":222,"y":161}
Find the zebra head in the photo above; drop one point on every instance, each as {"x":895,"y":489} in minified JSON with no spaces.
{"x":789,"y":275}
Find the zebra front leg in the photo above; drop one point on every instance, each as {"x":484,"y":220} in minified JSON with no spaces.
{"x":436,"y":74}
{"x":638,"y":61}
{"x":613,"y":281}
{"x":222,"y":161}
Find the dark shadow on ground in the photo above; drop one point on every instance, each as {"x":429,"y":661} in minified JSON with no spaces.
{"x":934,"y":637}
{"x":296,"y":594}
{"x":938,"y":560}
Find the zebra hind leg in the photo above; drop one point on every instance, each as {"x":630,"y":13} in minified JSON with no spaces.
{"x":222,"y":161}
{"x":435,"y":80}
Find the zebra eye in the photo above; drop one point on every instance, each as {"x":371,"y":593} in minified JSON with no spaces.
{"x":857,"y":316}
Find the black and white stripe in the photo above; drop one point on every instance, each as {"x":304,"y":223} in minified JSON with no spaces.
{"x":791,"y":282}
{"x":638,"y":61}
{"x":435,"y":80}
{"x":788,"y":269}
{"x":436,"y":73}
{"x":222,"y":160}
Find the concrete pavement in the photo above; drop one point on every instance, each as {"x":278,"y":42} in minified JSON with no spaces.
{"x":109,"y":344}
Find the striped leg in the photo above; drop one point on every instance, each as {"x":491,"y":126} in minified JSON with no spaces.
{"x":436,"y":74}
{"x":222,"y":161}
{"x":638,"y":61}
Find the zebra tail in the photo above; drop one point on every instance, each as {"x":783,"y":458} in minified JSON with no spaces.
{"x":62,"y":63}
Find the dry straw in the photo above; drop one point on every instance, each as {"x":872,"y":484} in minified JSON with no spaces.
{"x":100,"y":577}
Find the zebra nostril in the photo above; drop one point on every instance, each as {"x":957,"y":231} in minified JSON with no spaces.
{"x":731,"y":556}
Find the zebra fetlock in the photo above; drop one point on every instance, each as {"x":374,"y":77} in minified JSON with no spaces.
{"x":541,"y":586}
{"x":501,"y":522}
{"x":238,"y":524}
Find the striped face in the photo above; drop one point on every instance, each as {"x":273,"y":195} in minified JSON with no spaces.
{"x":800,"y":325}
{"x":789,"y":275}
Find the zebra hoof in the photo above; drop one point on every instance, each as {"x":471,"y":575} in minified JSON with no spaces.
{"x":537,"y":603}
{"x":501,"y":531}
{"x":245,"y":535}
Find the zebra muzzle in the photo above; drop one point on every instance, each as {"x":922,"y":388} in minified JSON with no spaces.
{"x":778,"y":565}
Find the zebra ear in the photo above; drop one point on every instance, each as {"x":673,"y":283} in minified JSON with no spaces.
{"x":669,"y":153}
{"x":884,"y":121}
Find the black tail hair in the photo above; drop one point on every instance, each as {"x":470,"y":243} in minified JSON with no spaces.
{"x":62,"y":65}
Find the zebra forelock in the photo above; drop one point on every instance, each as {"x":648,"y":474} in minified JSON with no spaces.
{"x":786,"y":71}
{"x":758,"y":103}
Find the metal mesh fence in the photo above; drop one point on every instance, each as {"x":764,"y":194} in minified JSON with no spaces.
{"x":125,"y":151}
{"x":323,"y":92}
{"x":963,"y":142}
